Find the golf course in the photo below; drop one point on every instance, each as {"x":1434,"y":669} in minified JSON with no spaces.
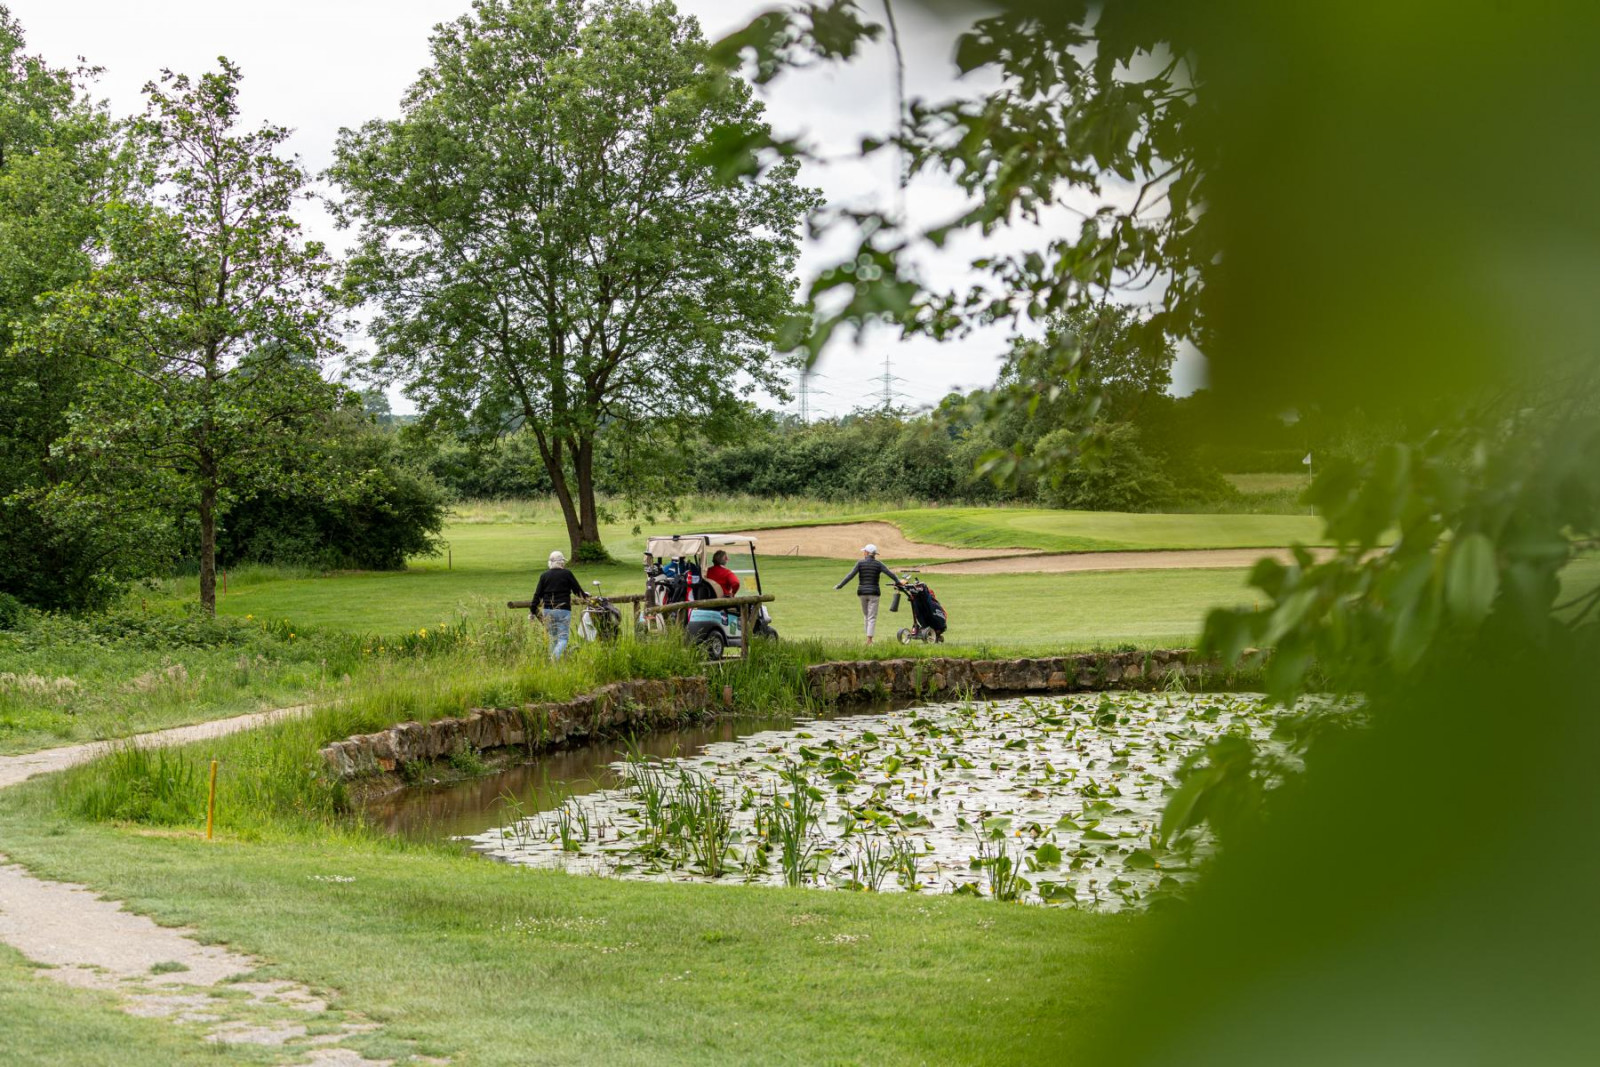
{"x":854,"y":533}
{"x":390,"y":924}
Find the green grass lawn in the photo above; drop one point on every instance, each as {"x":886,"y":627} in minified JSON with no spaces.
{"x":493,"y":964}
{"x":491,"y":564}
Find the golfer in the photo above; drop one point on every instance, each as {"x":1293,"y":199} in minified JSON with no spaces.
{"x":868,"y":570}
{"x":552,"y":600}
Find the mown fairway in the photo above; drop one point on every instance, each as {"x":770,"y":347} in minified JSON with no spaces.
{"x":491,"y":564}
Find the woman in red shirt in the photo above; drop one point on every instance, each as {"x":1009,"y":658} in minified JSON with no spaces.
{"x":718,"y":572}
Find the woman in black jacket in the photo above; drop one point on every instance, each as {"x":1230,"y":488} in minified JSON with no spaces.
{"x":869,"y":571}
{"x":552,"y":601}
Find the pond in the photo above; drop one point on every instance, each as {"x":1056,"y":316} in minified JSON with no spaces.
{"x":1051,"y":801}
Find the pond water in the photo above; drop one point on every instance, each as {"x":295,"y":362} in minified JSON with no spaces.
{"x":1050,"y":801}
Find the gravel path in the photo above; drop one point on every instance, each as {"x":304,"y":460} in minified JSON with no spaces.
{"x":17,"y":769}
{"x":82,"y":939}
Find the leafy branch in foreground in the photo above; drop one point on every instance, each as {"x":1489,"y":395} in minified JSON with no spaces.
{"x":1483,"y":522}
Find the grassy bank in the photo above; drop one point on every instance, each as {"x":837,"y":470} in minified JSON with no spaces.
{"x":492,"y":964}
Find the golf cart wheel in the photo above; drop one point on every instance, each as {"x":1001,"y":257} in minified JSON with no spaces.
{"x":904,"y":636}
{"x":767,"y":633}
{"x":714,"y":644}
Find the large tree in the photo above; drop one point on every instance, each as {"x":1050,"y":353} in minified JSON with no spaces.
{"x":210,"y":313}
{"x":547,"y":245}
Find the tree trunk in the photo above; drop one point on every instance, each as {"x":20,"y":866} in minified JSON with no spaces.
{"x":208,"y":548}
{"x":588,"y":510}
{"x":558,"y":482}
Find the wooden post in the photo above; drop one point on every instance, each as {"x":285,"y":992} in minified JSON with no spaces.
{"x":224,"y":583}
{"x":211,"y":801}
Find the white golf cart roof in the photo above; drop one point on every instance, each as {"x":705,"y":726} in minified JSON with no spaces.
{"x":694,"y":544}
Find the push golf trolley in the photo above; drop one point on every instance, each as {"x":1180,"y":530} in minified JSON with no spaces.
{"x":928,"y":617}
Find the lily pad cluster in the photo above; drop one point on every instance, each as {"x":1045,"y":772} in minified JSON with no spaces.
{"x":1053,"y":801}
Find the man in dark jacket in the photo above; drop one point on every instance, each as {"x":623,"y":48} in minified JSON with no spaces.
{"x":552,"y":601}
{"x":869,"y":571}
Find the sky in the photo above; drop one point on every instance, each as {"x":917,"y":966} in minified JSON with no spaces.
{"x":318,"y":65}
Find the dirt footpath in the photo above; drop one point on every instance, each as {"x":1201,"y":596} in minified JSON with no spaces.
{"x":1071,"y":562}
{"x":845,"y":541}
{"x":81,"y":939}
{"x":17,"y":769}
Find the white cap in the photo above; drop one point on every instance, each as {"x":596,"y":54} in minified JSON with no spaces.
{"x":871,"y":550}
{"x":557,"y":559}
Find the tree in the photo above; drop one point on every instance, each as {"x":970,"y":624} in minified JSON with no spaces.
{"x":56,"y":155}
{"x":211,"y":315}
{"x":548,"y":246}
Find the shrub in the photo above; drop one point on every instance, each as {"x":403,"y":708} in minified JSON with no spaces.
{"x":11,"y":612}
{"x":386,"y":514}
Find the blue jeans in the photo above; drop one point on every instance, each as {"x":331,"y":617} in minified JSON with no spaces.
{"x":558,"y":623}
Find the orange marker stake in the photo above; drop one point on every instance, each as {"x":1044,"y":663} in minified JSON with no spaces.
{"x":211,"y":801}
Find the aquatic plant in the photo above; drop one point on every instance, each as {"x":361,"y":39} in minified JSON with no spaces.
{"x":903,"y":861}
{"x":705,"y":821}
{"x":870,"y":866}
{"x":1002,"y":872}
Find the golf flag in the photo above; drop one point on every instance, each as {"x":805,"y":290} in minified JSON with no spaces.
{"x":1307,"y":460}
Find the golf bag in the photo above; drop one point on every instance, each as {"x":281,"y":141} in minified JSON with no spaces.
{"x":928,"y":617}
{"x":926,"y":609}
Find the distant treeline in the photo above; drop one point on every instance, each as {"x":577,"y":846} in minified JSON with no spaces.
{"x":1170,"y":454}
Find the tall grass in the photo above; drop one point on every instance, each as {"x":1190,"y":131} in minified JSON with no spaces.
{"x":272,"y":777}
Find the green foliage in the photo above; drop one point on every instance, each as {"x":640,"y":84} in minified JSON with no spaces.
{"x":585,"y":271}
{"x":389,"y":513}
{"x":209,"y":314}
{"x":56,"y":171}
{"x":1271,"y":145}
{"x":12,"y":612}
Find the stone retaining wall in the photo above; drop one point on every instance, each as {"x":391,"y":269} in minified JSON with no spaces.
{"x":652,"y":704}
{"x":611,"y":709}
{"x":834,"y":683}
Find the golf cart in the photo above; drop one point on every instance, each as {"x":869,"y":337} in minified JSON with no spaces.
{"x":676,"y":572}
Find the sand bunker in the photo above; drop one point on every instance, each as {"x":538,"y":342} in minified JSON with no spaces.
{"x":1067,"y":562}
{"x":844,"y":541}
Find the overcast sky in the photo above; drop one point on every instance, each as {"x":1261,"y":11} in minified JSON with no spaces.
{"x":319,"y":66}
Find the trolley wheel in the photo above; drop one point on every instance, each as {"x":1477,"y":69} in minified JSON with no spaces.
{"x":929,"y":637}
{"x":938,"y":639}
{"x":904,"y":636}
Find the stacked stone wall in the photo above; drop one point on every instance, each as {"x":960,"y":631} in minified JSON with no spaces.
{"x":624,"y":707}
